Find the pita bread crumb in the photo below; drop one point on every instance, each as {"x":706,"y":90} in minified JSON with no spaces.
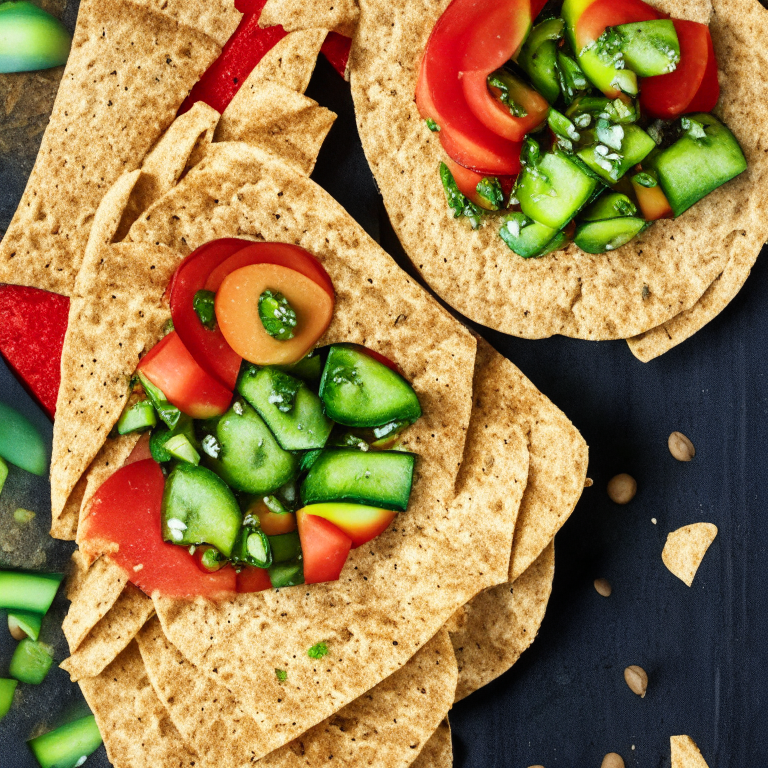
{"x":685,"y":753}
{"x":685,"y":549}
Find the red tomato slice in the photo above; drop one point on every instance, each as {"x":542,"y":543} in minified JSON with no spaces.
{"x":209,"y":348}
{"x":171,"y":368}
{"x":467,"y":181}
{"x":610,"y":13}
{"x":467,"y":37}
{"x":140,"y":451}
{"x":693,"y":86}
{"x":124,"y":520}
{"x":283,"y":254}
{"x":336,"y":50}
{"x":252,"y":579}
{"x":537,"y":6}
{"x":359,"y":522}
{"x":324,"y":548}
{"x":495,"y":115}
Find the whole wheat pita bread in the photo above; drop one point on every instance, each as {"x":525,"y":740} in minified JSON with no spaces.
{"x":129,"y":70}
{"x":618,"y":295}
{"x":337,"y":15}
{"x":216,"y":18}
{"x":685,"y":753}
{"x":438,"y":751}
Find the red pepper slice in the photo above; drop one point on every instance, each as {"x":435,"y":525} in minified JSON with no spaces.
{"x":336,"y":50}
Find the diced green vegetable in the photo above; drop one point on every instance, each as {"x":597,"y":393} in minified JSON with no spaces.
{"x":211,"y":560}
{"x":252,"y":548}
{"x":204,"y":304}
{"x":608,"y":234}
{"x":168,"y":412}
{"x":570,"y":77}
{"x":7,"y":688}
{"x":285,"y":547}
{"x":458,"y":202}
{"x":180,"y":448}
{"x":3,"y":473}
{"x":23,"y":516}
{"x":30,"y":38}
{"x":30,"y":662}
{"x":20,"y":442}
{"x":286,"y":574}
{"x":28,"y":622}
{"x":538,"y":57}
{"x":610,"y":205}
{"x":490,"y":191}
{"x":26,"y":591}
{"x":309,"y":368}
{"x":160,"y":436}
{"x":67,"y":746}
{"x":318,"y":650}
{"x":611,"y":164}
{"x":137,"y":417}
{"x":528,"y":238}
{"x":277,"y":315}
{"x":649,"y":48}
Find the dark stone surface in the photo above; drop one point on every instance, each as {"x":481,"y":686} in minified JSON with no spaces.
{"x":565,"y":703}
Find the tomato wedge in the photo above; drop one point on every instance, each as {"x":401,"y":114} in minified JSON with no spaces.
{"x":693,"y":86}
{"x":208,"y":347}
{"x":171,"y":368}
{"x":124,"y":520}
{"x":610,"y":13}
{"x":237,"y":312}
{"x":653,"y":202}
{"x":272,"y":523}
{"x":252,"y":579}
{"x":324,"y":548}
{"x":361,"y":523}
{"x":284,"y":254}
{"x":140,"y":451}
{"x":471,"y":36}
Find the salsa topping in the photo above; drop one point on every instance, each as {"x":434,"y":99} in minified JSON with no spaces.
{"x":277,"y":315}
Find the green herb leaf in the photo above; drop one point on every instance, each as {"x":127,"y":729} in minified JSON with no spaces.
{"x":608,"y":48}
{"x":284,"y":391}
{"x":277,"y":315}
{"x":570,"y":77}
{"x":281,"y":675}
{"x":432,"y":125}
{"x":458,"y":202}
{"x":497,"y":80}
{"x":610,"y":135}
{"x":530,"y":154}
{"x":318,"y":650}
{"x":203,"y":304}
{"x":645,"y":180}
{"x":489,"y":188}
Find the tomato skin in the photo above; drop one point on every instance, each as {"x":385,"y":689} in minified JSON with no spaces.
{"x":693,"y":86}
{"x":653,"y":202}
{"x":125,"y":511}
{"x":324,"y":548}
{"x":140,"y":451}
{"x":283,"y":254}
{"x":361,"y":523}
{"x":252,"y":579}
{"x":272,"y":523}
{"x":171,"y":368}
{"x":610,"y":13}
{"x":209,"y":348}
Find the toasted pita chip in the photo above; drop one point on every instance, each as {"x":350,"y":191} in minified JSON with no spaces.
{"x":364,"y":732}
{"x":116,"y":315}
{"x":338,"y":15}
{"x":92,"y":591}
{"x":181,"y":146}
{"x":500,"y":623}
{"x":107,"y":640}
{"x":137,"y":731}
{"x":216,"y":18}
{"x":290,"y":62}
{"x":438,"y":751}
{"x":129,"y":70}
{"x":685,"y":549}
{"x":278,"y":120}
{"x":64,"y":527}
{"x":685,"y":753}
{"x":618,"y":295}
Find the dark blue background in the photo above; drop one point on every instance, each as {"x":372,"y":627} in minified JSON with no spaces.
{"x":565,"y":703}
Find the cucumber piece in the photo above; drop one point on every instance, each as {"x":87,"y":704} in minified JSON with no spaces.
{"x":67,"y":746}
{"x":285,"y":546}
{"x":3,"y":473}
{"x":570,"y":77}
{"x":538,"y":57}
{"x":20,"y":442}
{"x":528,"y":238}
{"x":376,"y":478}
{"x":610,"y":163}
{"x":358,"y":391}
{"x":30,"y":662}
{"x":199,"y":508}
{"x":562,"y":126}
{"x":28,"y":622}
{"x":554,"y":190}
{"x":252,"y":548}
{"x":608,"y":234}
{"x":615,"y":110}
{"x":290,"y":408}
{"x":31,"y":38}
{"x":309,"y":368}
{"x":139,"y":416}
{"x":605,"y":77}
{"x":27,"y":591}
{"x":182,"y":449}
{"x":650,"y":48}
{"x":611,"y":205}
{"x":167,"y":412}
{"x":286,"y":574}
{"x":7,"y":689}
{"x":250,"y":458}
{"x":693,"y":167}
{"x":159,"y":437}
{"x":308,"y":459}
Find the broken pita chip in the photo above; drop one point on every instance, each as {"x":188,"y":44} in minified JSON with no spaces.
{"x":216,"y":18}
{"x":685,"y":753}
{"x":337,"y":15}
{"x":107,"y":640}
{"x":501,"y":623}
{"x":438,"y":751}
{"x":685,"y":549}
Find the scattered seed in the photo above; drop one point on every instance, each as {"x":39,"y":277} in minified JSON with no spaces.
{"x":17,"y":633}
{"x":653,"y":520}
{"x":622,"y":488}
{"x":681,"y":447}
{"x":612,"y":760}
{"x":588,"y":483}
{"x":603,"y":587}
{"x":637,"y":680}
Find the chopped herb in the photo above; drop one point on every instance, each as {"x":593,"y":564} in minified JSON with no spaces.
{"x":530,"y":154}
{"x":205,"y":310}
{"x":458,"y":202}
{"x":489,"y":188}
{"x":277,"y":315}
{"x":610,"y":135}
{"x":693,"y":128}
{"x":273,"y":504}
{"x":645,"y":180}
{"x":499,"y":81}
{"x":211,"y":446}
{"x":646,"y":291}
{"x":168,"y":327}
{"x":608,"y":48}
{"x":570,"y":77}
{"x":169,"y":413}
{"x":284,"y":391}
{"x":308,"y":459}
{"x":281,"y":675}
{"x":318,"y":650}
{"x":432,"y":125}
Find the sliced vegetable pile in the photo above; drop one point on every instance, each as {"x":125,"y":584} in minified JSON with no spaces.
{"x":586,"y":127}
{"x":266,"y":460}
